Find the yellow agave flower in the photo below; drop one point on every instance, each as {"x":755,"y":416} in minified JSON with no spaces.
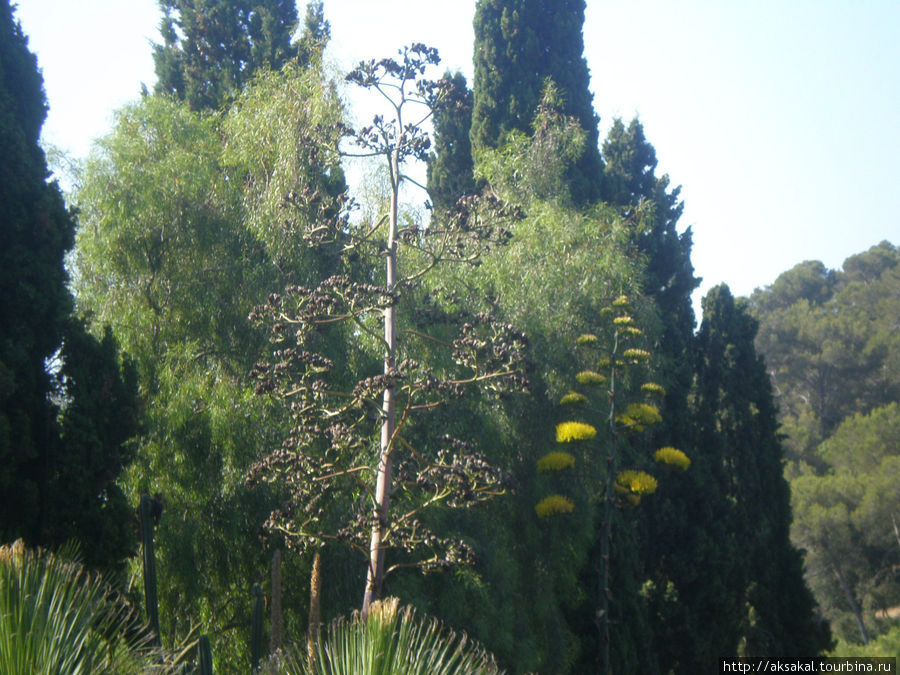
{"x":567,"y":432}
{"x":590,"y":377}
{"x":672,"y":457}
{"x":555,"y":461}
{"x":573,"y":398}
{"x":638,"y":482}
{"x":554,"y":505}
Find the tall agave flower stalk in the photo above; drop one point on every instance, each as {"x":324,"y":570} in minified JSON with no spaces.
{"x":616,"y":375}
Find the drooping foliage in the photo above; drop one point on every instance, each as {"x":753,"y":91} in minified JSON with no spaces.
{"x":188,"y":220}
{"x":67,"y":403}
{"x":520,"y":46}
{"x":211,"y":48}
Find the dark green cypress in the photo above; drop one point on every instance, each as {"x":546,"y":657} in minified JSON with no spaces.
{"x":450,"y":165}
{"x":633,"y":186}
{"x":211,"y":48}
{"x":519,"y":46}
{"x":316,"y":33}
{"x":724,"y":543}
{"x":66,"y":411}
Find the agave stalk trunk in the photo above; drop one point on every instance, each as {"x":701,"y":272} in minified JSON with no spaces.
{"x":375,"y":574}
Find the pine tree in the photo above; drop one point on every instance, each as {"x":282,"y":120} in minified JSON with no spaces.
{"x":519,"y":46}
{"x":65,"y":409}
{"x":211,"y":48}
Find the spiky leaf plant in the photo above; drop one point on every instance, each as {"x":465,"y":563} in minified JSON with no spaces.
{"x":391,"y":641}
{"x":55,"y":617}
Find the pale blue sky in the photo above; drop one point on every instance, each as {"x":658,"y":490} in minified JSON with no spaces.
{"x":780,"y":119}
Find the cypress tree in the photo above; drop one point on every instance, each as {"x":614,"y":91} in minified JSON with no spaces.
{"x":722,"y":543}
{"x":211,"y":48}
{"x":633,"y":186}
{"x":519,"y":46}
{"x":65,"y":408}
{"x":316,"y":33}
{"x":450,"y":165}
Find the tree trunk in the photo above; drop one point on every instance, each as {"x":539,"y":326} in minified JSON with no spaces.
{"x":375,"y":573}
{"x":851,"y":600}
{"x":275,"y":639}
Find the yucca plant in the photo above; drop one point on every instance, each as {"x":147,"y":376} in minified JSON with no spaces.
{"x":55,"y":617}
{"x":390,"y":641}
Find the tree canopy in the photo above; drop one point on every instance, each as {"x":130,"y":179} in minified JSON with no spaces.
{"x":520,"y":47}
{"x":67,"y":402}
{"x":211,"y":48}
{"x":831,"y":345}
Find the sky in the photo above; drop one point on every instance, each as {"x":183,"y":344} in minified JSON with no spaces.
{"x":780,"y":119}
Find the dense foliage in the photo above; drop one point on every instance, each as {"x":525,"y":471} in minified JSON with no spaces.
{"x":450,"y":166}
{"x":340,"y":380}
{"x":67,"y":402}
{"x":176,"y":248}
{"x":521,"y":47}
{"x":832,"y":347}
{"x":211,"y":48}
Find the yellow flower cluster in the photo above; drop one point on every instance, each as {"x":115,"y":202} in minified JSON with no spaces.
{"x":672,"y":457}
{"x":653,"y":389}
{"x":573,"y":398}
{"x":586,"y":339}
{"x":555,"y":461}
{"x":590,"y":377}
{"x":554,"y":505}
{"x":636,"y":354}
{"x":637,"y":482}
{"x":574,"y":431}
{"x":623,"y":321}
{"x":639,"y":415}
{"x":621,"y":301}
